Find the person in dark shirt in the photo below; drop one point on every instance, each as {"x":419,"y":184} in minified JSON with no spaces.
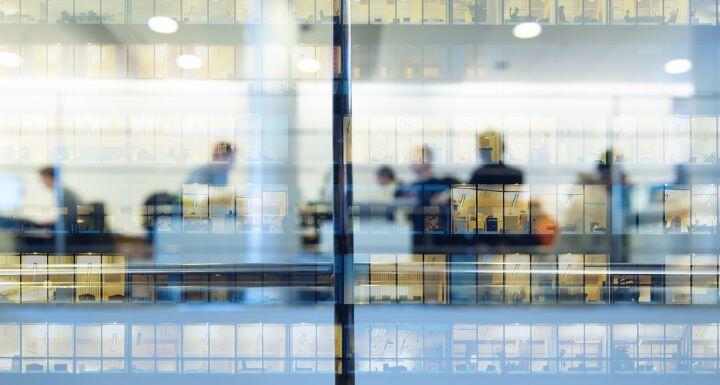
{"x":493,"y":170}
{"x":431,"y":211}
{"x":66,"y":200}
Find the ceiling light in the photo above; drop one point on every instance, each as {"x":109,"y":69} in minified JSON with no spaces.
{"x":189,"y":62}
{"x":678,"y":66}
{"x":162,"y":24}
{"x":308,"y":65}
{"x":10,"y":59}
{"x":527,"y":30}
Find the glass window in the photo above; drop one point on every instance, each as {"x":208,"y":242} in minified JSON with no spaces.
{"x":649,"y":145}
{"x":651,"y":350}
{"x":274,"y":11}
{"x":60,"y":11}
{"x":703,"y":209}
{"x":543,"y":140}
{"x":141,"y":11}
{"x":595,"y":209}
{"x":113,"y":11}
{"x":10,"y":278}
{"x":624,"y":348}
{"x":324,"y":11}
{"x":383,"y":287}
{"x":623,"y":12}
{"x":409,"y":11}
{"x":703,"y":140}
{"x":490,"y":349}
{"x":677,"y":280}
{"x":143,"y":341}
{"x":34,"y":345}
{"x":247,"y":11}
{"x":435,"y":278}
{"x":491,"y":278}
{"x":382,"y":11}
{"x":410,"y":278}
{"x":9,"y":347}
{"x":543,"y":209}
{"x":704,"y":279}
{"x":434,"y":11}
{"x":704,"y":348}
{"x":677,"y":140}
{"x":303,"y":344}
{"x":168,"y":8}
{"x":570,"y":208}
{"x":113,"y":347}
{"x":87,"y":278}
{"x":517,"y":150}
{"x":61,"y":278}
{"x":570,"y":12}
{"x":303,"y":11}
{"x":677,"y":11}
{"x":34,"y":278}
{"x":464,"y":12}
{"x":703,"y":12}
{"x":596,"y":279}
{"x":571,"y":278}
{"x":571,"y":348}
{"x":516,"y":209}
{"x":33,"y":11}
{"x":517,"y":348}
{"x":516,"y":11}
{"x":113,"y":267}
{"x":649,"y":11}
{"x":221,"y":12}
{"x":360,"y":12}
{"x":463,"y":279}
{"x":60,"y":348}
{"x":544,"y":276}
{"x":464,"y":209}
{"x":517,"y":278}
{"x":194,"y":11}
{"x":10,"y":13}
{"x":677,"y":209}
{"x":542,"y":11}
{"x":87,"y":11}
{"x":594,"y":12}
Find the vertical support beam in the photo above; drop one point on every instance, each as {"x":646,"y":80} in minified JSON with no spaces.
{"x":342,"y":197}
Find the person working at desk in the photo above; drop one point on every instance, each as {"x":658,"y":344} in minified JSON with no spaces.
{"x":493,"y":170}
{"x":66,"y":200}
{"x":215,"y":173}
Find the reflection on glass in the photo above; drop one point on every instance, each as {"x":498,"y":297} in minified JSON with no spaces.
{"x":544,"y":285}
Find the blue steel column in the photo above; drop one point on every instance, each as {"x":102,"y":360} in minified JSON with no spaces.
{"x":342,"y":197}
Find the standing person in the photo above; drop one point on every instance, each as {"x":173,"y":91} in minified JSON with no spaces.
{"x":490,"y":171}
{"x":431,"y":211}
{"x":65,"y":199}
{"x":215,"y":173}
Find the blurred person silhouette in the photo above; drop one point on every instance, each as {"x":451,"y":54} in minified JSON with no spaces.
{"x":621,"y":217}
{"x":389,"y":187}
{"x":216,"y":173}
{"x":387,"y":190}
{"x":65,"y":200}
{"x":493,"y":171}
{"x":161,"y":213}
{"x":431,"y":196}
{"x":561,"y":14}
{"x":514,"y":15}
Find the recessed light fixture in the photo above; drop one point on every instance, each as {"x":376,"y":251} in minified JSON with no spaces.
{"x":189,"y":62}
{"x":527,"y":30}
{"x":10,"y":59}
{"x":678,"y":66}
{"x":163,"y":24}
{"x":308,"y":65}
